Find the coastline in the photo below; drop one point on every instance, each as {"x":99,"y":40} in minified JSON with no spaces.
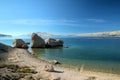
{"x":22,"y":57}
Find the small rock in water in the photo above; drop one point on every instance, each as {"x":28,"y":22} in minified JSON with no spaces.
{"x":66,"y":47}
{"x":49,"y":68}
{"x":50,"y":42}
{"x":55,"y":62}
{"x":27,"y":42}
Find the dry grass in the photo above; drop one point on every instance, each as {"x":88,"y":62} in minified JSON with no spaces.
{"x":14,"y":72}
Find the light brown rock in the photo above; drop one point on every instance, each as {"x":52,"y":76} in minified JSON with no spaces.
{"x":53,"y":77}
{"x":55,"y":62}
{"x":59,"y":42}
{"x":19,"y":43}
{"x":50,"y":42}
{"x":49,"y":68}
{"x":25,"y":46}
{"x":37,"y":41}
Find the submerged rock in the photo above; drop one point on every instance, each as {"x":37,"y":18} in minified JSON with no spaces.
{"x":66,"y":47}
{"x":37,"y":41}
{"x":50,"y":42}
{"x":19,"y":43}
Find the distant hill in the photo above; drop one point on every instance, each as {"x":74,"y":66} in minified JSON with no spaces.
{"x":44,"y":34}
{"x":96,"y":34}
{"x":112,"y":33}
{"x":4,"y":35}
{"x":41,"y":34}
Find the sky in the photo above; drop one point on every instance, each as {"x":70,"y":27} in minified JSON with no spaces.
{"x":19,"y":17}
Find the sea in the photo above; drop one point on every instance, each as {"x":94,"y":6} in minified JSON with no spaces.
{"x":100,"y":54}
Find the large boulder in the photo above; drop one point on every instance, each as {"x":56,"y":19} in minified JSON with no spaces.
{"x":19,"y":43}
{"x":59,"y":42}
{"x":5,"y":48}
{"x":50,"y":42}
{"x":37,"y":41}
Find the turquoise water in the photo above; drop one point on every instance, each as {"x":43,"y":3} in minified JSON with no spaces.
{"x":94,"y":53}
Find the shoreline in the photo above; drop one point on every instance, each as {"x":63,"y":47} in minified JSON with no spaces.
{"x":23,"y":58}
{"x":78,"y":67}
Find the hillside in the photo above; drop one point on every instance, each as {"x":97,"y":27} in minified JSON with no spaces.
{"x":112,"y":33}
{"x":4,"y":35}
{"x":40,"y":34}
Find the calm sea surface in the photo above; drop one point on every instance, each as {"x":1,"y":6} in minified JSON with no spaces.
{"x":93,"y":53}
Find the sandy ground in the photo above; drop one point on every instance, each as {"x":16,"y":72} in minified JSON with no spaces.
{"x":23,"y":57}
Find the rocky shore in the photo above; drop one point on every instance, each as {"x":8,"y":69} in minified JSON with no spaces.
{"x":38,"y":42}
{"x":20,"y":64}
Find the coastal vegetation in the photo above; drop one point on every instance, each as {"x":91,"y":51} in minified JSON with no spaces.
{"x":10,"y":71}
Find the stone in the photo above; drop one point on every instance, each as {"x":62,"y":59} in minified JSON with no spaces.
{"x":55,"y":78}
{"x":28,"y":43}
{"x":59,"y":42}
{"x":55,"y":62}
{"x":19,"y":43}
{"x":25,"y":46}
{"x":66,"y":47}
{"x":37,"y":41}
{"x":50,"y":42}
{"x":49,"y":68}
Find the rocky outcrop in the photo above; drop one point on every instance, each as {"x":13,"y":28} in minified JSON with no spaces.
{"x":19,"y":43}
{"x":59,"y":42}
{"x":37,"y":41}
{"x":5,"y":48}
{"x":50,"y":42}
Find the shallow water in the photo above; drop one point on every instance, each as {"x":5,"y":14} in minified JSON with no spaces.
{"x":94,"y":53}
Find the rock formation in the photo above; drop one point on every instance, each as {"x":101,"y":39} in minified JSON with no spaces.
{"x":5,"y":48}
{"x":50,"y":42}
{"x":19,"y":43}
{"x":37,"y":41}
{"x":59,"y":42}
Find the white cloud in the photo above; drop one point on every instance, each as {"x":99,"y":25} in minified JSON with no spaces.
{"x":43,"y":22}
{"x":96,"y":20}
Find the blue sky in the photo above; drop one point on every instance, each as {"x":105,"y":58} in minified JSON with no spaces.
{"x":59,"y":16}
